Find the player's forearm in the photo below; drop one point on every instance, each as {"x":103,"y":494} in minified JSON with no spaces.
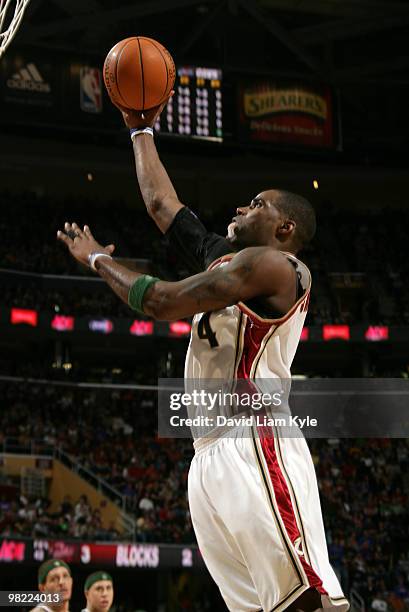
{"x":154,"y":182}
{"x":169,"y":301}
{"x":119,"y":278}
{"x":245,"y":277}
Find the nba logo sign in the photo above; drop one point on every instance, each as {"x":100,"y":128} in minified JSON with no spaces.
{"x":90,"y":90}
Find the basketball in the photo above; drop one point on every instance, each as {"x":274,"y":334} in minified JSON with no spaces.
{"x":139,"y":73}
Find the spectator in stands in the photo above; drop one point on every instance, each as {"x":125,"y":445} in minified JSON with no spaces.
{"x":379,"y":604}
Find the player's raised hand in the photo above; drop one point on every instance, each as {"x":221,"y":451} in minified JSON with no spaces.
{"x":81,"y":243}
{"x":136,"y":119}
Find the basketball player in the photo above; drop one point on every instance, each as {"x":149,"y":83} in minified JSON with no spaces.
{"x":54,"y":576}
{"x":99,"y":592}
{"x":254,"y":501}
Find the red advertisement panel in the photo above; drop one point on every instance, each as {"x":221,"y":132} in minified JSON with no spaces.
{"x":12,"y":551}
{"x":21,"y":315}
{"x":290,"y":113}
{"x":377,"y":333}
{"x":62,"y":323}
{"x":335,"y":332}
{"x":179,"y":328}
{"x":141,"y":328}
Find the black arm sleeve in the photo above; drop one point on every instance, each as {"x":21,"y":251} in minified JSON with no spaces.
{"x":198,"y":247}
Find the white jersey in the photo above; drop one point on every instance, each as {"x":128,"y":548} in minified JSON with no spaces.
{"x":235,"y":342}
{"x":253,"y":494}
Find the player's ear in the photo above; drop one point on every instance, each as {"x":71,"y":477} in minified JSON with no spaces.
{"x":41,"y":588}
{"x":286,"y":227}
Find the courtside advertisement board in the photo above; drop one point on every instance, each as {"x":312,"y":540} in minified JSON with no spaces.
{"x":286,"y":112}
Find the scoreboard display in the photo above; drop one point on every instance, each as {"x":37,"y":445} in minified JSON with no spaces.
{"x":95,"y":554}
{"x":195,"y":110}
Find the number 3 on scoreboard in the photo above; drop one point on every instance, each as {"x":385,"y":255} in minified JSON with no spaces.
{"x":205,"y":332}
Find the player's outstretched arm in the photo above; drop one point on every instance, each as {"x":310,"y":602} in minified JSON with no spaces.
{"x":158,"y":193}
{"x":253,"y":272}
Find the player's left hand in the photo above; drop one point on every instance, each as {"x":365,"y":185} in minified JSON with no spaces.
{"x":81,"y":243}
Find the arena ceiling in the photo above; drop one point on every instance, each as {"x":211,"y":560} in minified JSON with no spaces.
{"x":359,"y":46}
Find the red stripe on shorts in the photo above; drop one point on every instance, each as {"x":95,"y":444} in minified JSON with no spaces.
{"x":284,"y":502}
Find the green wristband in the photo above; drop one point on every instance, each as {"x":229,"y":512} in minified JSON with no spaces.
{"x":138,"y":290}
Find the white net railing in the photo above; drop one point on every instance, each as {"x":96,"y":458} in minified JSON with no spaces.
{"x":11,"y":14}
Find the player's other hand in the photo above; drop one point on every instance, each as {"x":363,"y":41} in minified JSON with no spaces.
{"x":139,"y":119}
{"x":81,"y":243}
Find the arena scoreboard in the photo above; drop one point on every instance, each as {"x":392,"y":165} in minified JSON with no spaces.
{"x":195,"y":110}
{"x":97,"y":554}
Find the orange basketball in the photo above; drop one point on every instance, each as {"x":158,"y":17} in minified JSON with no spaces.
{"x":139,"y":73}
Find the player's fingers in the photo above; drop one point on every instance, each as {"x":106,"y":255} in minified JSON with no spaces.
{"x":64,"y":238}
{"x":87,"y":232}
{"x":152,"y":114}
{"x":69,"y":230}
{"x":77,"y":230}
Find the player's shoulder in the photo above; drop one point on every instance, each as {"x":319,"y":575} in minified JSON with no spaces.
{"x":267,"y":257}
{"x":265,"y":250}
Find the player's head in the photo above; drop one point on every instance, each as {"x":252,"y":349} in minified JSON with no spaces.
{"x":274,"y":217}
{"x":54,"y":576}
{"x":99,"y":592}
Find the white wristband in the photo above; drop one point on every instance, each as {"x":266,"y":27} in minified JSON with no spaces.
{"x":136,"y":131}
{"x":92,"y":257}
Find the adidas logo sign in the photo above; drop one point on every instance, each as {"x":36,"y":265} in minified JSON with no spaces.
{"x":28,"y":79}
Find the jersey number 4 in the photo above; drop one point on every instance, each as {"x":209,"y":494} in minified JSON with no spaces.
{"x":205,"y":332}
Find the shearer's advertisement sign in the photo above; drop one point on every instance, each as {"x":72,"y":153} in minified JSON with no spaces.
{"x":287,"y":113}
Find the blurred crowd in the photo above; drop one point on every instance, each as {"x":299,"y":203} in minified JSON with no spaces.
{"x":100,"y":303}
{"x":358,"y":271}
{"x":364,"y":492}
{"x":363,"y":483}
{"x":29,"y":225}
{"x":30,"y":516}
{"x":149,"y":473}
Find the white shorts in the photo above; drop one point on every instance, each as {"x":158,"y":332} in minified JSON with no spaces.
{"x":256,"y":512}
